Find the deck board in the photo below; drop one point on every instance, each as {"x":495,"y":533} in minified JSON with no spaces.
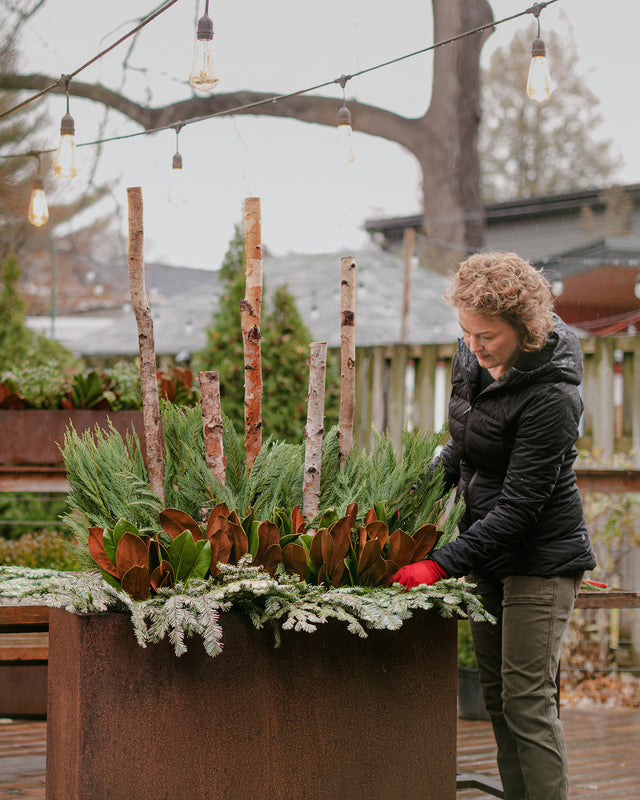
{"x":603,"y":746}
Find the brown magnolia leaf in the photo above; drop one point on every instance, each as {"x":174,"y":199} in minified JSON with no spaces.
{"x":401,"y":547}
{"x":375,"y":574}
{"x":378,"y":530}
{"x":351,"y":515}
{"x":239,"y":539}
{"x":135,"y":582}
{"x":162,"y":576}
{"x":233,"y":517}
{"x":174,"y":522}
{"x":271,"y":559}
{"x":338,"y":574}
{"x":424,"y":540}
{"x":96,"y":550}
{"x":298,"y":522}
{"x":221,"y":510}
{"x":131,"y":552}
{"x":268,"y":535}
{"x":295,"y":558}
{"x":370,"y":552}
{"x":392,"y":568}
{"x":340,"y":532}
{"x":370,"y":516}
{"x":361,"y":538}
{"x":317,"y":550}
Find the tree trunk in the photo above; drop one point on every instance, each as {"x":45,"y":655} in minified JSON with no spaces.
{"x":212,"y":424}
{"x":347,"y":357}
{"x":148,"y":369}
{"x":314,"y":430}
{"x":250,"y":314}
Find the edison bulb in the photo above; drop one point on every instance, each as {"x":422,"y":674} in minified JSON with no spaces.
{"x":539,"y":81}
{"x":346,"y":144}
{"x":38,"y":210}
{"x":202,"y":76}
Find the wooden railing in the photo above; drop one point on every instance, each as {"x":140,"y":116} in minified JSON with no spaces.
{"x":408,"y":385}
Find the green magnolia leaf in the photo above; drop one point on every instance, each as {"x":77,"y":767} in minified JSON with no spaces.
{"x":203,"y":559}
{"x":252,"y":537}
{"x":183,"y":555}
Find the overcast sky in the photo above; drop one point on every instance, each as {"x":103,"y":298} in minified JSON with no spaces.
{"x":309,"y":202}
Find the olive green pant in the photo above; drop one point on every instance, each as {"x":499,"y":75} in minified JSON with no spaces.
{"x":518,"y":662}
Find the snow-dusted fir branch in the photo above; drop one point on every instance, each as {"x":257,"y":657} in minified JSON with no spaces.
{"x":283,"y":602}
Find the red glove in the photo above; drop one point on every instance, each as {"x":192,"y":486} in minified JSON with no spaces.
{"x":422,"y":572}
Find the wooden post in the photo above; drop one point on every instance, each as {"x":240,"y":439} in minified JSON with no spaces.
{"x":314,"y":430}
{"x":409,"y":244}
{"x":148,"y":368}
{"x":212,"y":424}
{"x":250,"y":314}
{"x":347,"y":357}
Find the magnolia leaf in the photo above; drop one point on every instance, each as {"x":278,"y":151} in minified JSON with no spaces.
{"x":271,"y":558}
{"x":401,"y":547}
{"x":351,"y":514}
{"x":131,"y":552}
{"x":111,"y":537}
{"x":174,"y":522}
{"x":341,"y":535}
{"x":424,"y":540}
{"x":252,"y":537}
{"x":135,"y":582}
{"x":203,"y":559}
{"x":240,"y":541}
{"x":370,"y":552}
{"x":370,"y":516}
{"x":378,"y":530}
{"x":182,"y":555}
{"x":268,"y":535}
{"x":162,"y":576}
{"x":97,"y":552}
{"x":317,"y":550}
{"x":298,"y":522}
{"x":295,"y":558}
{"x":338,"y":574}
{"x":374,"y":574}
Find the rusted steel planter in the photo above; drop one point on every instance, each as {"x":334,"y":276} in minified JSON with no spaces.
{"x":327,"y":716}
{"x":32,"y":436}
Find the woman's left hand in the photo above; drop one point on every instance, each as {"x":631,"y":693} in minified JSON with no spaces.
{"x":418,"y":574}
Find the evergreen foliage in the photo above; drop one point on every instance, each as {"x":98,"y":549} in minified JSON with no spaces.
{"x":284,"y":602}
{"x":15,"y":337}
{"x":285,"y":349}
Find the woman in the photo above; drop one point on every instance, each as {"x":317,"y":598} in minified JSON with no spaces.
{"x":513,"y":420}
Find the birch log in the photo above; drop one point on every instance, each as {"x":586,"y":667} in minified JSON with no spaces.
{"x":146,"y":346}
{"x":347,"y":357}
{"x":250,"y":319}
{"x":409,"y":247}
{"x":314,"y":430}
{"x":212,"y":424}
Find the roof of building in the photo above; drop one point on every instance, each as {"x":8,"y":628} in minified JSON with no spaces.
{"x":314,"y":282}
{"x":611,"y":252}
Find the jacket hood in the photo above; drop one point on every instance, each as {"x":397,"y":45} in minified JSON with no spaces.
{"x":559,"y":360}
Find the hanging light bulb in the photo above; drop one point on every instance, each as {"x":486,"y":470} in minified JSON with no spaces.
{"x":202,"y":76}
{"x":38,"y":210}
{"x":64,"y":163}
{"x":177,"y":195}
{"x":344,"y":126}
{"x":539,"y":81}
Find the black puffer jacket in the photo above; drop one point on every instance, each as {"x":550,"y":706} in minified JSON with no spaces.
{"x":511,"y":454}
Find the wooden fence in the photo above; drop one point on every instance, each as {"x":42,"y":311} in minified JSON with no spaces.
{"x":401,"y":386}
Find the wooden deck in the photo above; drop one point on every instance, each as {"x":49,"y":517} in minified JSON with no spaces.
{"x":603,"y":749}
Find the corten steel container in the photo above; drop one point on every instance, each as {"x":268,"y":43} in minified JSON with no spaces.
{"x":326,"y":716}
{"x":33,"y":436}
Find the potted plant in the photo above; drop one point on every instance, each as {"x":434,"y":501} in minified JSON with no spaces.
{"x":244,"y":577}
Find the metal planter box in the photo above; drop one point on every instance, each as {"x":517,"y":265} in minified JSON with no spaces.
{"x":326,"y":716}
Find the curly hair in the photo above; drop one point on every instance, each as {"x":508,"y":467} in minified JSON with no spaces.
{"x":506,"y":286}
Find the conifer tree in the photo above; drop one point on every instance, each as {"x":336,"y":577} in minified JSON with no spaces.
{"x":15,"y":337}
{"x":285,"y":349}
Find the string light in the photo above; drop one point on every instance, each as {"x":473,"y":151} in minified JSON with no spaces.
{"x":344,"y":126}
{"x":38,"y":211}
{"x":177,"y":195}
{"x":64,"y":162}
{"x":539,"y":80}
{"x":202,"y":76}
